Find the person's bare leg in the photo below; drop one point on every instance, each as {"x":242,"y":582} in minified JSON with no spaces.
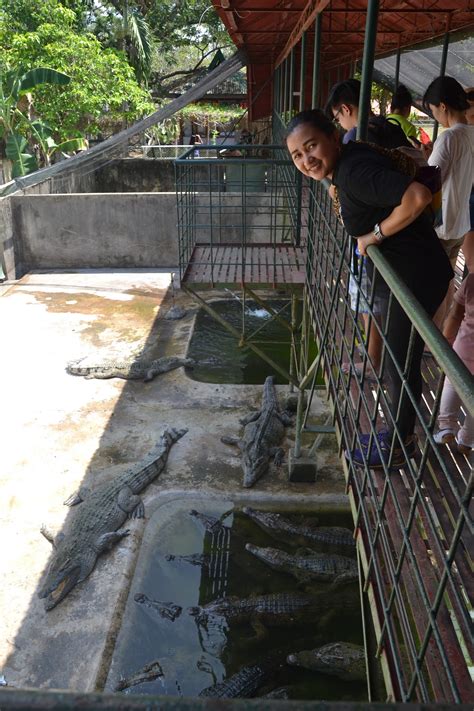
{"x":374,"y":342}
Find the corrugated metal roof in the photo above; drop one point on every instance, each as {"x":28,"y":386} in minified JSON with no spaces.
{"x":418,"y":67}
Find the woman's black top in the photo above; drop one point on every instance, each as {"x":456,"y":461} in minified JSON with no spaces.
{"x":369,"y":188}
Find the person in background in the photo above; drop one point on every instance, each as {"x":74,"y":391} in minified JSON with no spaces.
{"x":195,"y":140}
{"x":468,"y":244}
{"x":381,"y":206}
{"x":459,"y":332}
{"x":400,"y":108}
{"x":453,"y":152}
{"x":342,"y":107}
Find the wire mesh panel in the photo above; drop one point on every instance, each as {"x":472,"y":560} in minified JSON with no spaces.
{"x":237,"y":217}
{"x":413,"y":511}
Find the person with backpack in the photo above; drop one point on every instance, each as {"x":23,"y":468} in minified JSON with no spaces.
{"x":381,"y":206}
{"x":342,"y":107}
{"x":400,"y":108}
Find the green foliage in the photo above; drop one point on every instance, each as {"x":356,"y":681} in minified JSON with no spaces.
{"x":102,"y":82}
{"x":15,"y":85}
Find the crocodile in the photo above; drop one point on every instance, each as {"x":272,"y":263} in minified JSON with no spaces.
{"x":307,"y":565}
{"x":211,"y":524}
{"x":202,"y":560}
{"x":129,"y":370}
{"x":168,"y":610}
{"x":94,"y":527}
{"x":263,"y":432}
{"x":279,"y":609}
{"x":341,"y":659}
{"x":150,"y":672}
{"x":307,"y":532}
{"x":246,"y":682}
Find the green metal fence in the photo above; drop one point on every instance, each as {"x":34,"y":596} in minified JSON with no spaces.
{"x":236,"y":196}
{"x":413,"y":521}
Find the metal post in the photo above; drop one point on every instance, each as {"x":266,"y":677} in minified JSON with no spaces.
{"x":316,"y":62}
{"x":442,"y":70}
{"x":367,"y":68}
{"x":291,"y":83}
{"x":397,"y":68}
{"x":285,"y":88}
{"x":302,"y":71}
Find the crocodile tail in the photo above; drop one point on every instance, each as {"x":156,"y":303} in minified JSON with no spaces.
{"x":172,"y":435}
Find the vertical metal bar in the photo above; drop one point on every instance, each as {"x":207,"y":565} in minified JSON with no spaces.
{"x":299,"y":207}
{"x":442,"y":68}
{"x":397,"y":66}
{"x":367,"y":68}
{"x":285,"y":88}
{"x":302,"y":71}
{"x":316,"y":62}
{"x":294,"y":304}
{"x":291,"y":83}
{"x":276,"y":90}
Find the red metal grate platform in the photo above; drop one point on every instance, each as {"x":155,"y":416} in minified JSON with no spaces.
{"x":256,"y":265}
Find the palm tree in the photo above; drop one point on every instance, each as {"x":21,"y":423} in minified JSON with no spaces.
{"x":135,"y":36}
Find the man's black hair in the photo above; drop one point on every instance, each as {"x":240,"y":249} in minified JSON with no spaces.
{"x":401,"y":98}
{"x":344,"y":92}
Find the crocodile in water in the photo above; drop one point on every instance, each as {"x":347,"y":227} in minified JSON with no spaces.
{"x":246,"y":682}
{"x":263,"y":432}
{"x":341,"y":659}
{"x":211,"y":524}
{"x":150,"y":672}
{"x":92,"y":529}
{"x":279,"y":609}
{"x":201,"y":560}
{"x":284,"y":529}
{"x":129,"y":370}
{"x":168,"y":610}
{"x":308,"y":565}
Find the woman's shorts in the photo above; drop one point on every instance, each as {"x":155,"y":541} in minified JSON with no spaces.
{"x":360,"y":301}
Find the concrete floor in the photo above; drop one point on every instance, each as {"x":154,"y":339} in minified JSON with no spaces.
{"x":59,"y":432}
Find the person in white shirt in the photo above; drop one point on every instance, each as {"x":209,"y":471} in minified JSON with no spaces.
{"x":453,"y":152}
{"x":468,"y":244}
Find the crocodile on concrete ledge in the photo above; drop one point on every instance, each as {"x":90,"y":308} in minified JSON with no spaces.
{"x":263,"y":432}
{"x":341,"y":659}
{"x":284,"y":529}
{"x":308,"y":565}
{"x":92,"y":529}
{"x":129,"y":370}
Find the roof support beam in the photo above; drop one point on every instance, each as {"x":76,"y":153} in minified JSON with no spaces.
{"x":313,"y":8}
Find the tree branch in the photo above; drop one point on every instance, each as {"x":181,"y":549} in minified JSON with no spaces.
{"x":185,"y":72}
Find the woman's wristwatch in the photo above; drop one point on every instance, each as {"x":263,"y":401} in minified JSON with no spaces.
{"x":379,"y":235}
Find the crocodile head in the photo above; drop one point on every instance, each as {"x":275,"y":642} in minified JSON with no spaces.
{"x":62,"y":576}
{"x":254,"y":468}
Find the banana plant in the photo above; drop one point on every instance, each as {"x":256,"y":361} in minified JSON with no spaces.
{"x":47,"y":146}
{"x":15,"y":121}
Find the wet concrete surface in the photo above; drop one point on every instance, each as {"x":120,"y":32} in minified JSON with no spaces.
{"x":59,"y":432}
